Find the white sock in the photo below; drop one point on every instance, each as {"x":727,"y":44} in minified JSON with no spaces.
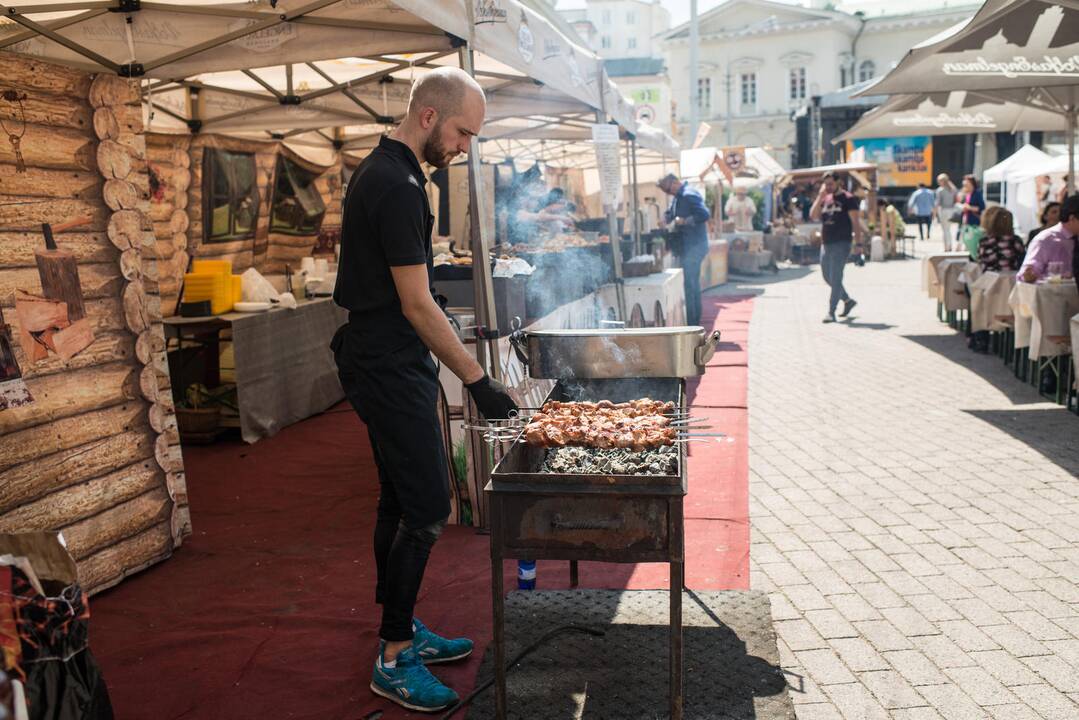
{"x":387,"y":664}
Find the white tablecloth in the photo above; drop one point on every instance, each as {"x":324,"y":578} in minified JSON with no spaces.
{"x":930,"y":280}
{"x":749,"y":263}
{"x":989,"y":309}
{"x":952,"y":276}
{"x":1047,"y":308}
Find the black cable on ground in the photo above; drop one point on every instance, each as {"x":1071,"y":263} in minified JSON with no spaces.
{"x":520,"y":656}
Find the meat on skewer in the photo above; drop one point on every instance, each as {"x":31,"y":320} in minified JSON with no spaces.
{"x":638,"y":425}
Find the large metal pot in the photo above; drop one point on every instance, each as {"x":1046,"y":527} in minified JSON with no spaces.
{"x":632,"y":352}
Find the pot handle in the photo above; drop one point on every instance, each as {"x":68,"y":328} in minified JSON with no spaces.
{"x":519,"y":342}
{"x":706,"y":350}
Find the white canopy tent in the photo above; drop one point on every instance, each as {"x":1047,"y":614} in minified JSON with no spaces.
{"x":1022,"y":51}
{"x":1017,"y":174}
{"x":760,"y":168}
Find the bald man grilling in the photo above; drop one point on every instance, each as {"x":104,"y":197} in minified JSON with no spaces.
{"x":384,"y":361}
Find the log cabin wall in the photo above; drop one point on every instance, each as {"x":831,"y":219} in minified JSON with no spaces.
{"x":170,"y":179}
{"x":267,"y":252}
{"x":95,"y":453}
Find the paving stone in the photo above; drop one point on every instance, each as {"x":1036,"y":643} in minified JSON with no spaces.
{"x":879,"y":595}
{"x":952,"y":703}
{"x":855,"y":702}
{"x":817,"y":711}
{"x":967,"y":636}
{"x":891,"y":690}
{"x":806,"y":597}
{"x":859,"y":655}
{"x":916,"y":667}
{"x":1005,"y":668}
{"x":830,"y":624}
{"x":978,"y":612}
{"x":910,"y":622}
{"x":824,"y":666}
{"x":1048,"y":702}
{"x":982,"y":687}
{"x":1015,"y":640}
{"x":921,"y":713}
{"x":799,"y":635}
{"x":854,"y":607}
{"x":1038,"y":626}
{"x":942,"y":651}
{"x":933,"y":608}
{"x":1061,"y":675}
{"x":1012,"y":712}
{"x":882,"y":635}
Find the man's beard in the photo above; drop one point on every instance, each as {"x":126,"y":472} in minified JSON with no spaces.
{"x":434,"y":153}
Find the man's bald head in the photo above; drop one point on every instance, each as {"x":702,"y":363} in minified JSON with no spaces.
{"x":445,"y":112}
{"x":447,"y":90}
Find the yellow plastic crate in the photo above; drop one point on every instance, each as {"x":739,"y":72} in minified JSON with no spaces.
{"x":215,"y":287}
{"x":223,"y":267}
{"x":237,"y":289}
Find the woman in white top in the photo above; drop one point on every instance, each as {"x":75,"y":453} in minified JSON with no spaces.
{"x":741,"y":209}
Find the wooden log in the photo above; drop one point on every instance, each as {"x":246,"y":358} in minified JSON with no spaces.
{"x":113,"y":160}
{"x":38,"y":182}
{"x":168,"y":454}
{"x":41,"y":440}
{"x":136,"y":145}
{"x":293,"y":241}
{"x":162,"y":419}
{"x":149,"y":342}
{"x":168,"y":288}
{"x":181,"y":157}
{"x":119,"y":522}
{"x":54,"y":210}
{"x":110,"y":566}
{"x":135,"y":313}
{"x":181,"y":179}
{"x":141,"y":181}
{"x":181,"y":201}
{"x":131,"y":264}
{"x":46,"y":474}
{"x":37,"y":313}
{"x":86,"y":499}
{"x":59,"y":274}
{"x":160,"y":213}
{"x":106,"y":348}
{"x":37,"y":77}
{"x":68,"y":394}
{"x":129,"y":118}
{"x":179,"y":222}
{"x":108,"y":89}
{"x":98,"y":280}
{"x":51,"y":147}
{"x":181,"y":524}
{"x":121,"y":195}
{"x":106,"y":126}
{"x":125,"y":229}
{"x":17,"y":248}
{"x":176,"y":482}
{"x":70,"y":341}
{"x":148,"y":383}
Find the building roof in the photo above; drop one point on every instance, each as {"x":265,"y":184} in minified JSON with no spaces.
{"x":842,"y":96}
{"x":632,"y":67}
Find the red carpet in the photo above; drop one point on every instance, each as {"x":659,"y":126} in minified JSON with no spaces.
{"x":268,"y":610}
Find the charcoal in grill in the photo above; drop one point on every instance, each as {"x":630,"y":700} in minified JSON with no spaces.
{"x":616,"y":461}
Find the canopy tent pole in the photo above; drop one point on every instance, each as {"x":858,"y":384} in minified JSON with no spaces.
{"x":636,"y":198}
{"x":616,"y":243}
{"x":1072,"y":110}
{"x":483,"y":288}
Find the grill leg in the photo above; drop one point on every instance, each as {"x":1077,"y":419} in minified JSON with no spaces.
{"x":573,"y":573}
{"x":677,"y":581}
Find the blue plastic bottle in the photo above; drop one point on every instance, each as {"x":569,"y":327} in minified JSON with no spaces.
{"x":526,"y":574}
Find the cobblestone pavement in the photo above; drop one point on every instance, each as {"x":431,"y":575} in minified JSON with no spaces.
{"x":914,"y":510}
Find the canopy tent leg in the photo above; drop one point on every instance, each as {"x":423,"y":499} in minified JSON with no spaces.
{"x":616,"y":247}
{"x":1072,"y":110}
{"x":635,"y":197}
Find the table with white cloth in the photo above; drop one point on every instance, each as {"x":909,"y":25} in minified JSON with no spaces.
{"x":989,"y":309}
{"x":285,"y":370}
{"x":750,"y":263}
{"x":952,"y":274}
{"x":1045,"y":309}
{"x":779,"y":245}
{"x":930,"y":280}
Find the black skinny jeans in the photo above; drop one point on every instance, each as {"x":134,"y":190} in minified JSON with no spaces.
{"x":692,"y":259}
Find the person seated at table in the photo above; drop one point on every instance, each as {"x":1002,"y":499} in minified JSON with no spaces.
{"x":998,"y":250}
{"x":1053,"y":247}
{"x":1050,"y":217}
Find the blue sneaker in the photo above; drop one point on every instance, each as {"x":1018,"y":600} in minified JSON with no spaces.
{"x":410,"y":684}
{"x":433,"y":649}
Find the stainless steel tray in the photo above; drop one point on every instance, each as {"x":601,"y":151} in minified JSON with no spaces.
{"x":623,"y":353}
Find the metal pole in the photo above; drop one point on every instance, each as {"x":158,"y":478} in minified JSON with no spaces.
{"x":694,"y":78}
{"x":635,"y":197}
{"x":1071,"y":149}
{"x":728,"y":87}
{"x":616,"y":246}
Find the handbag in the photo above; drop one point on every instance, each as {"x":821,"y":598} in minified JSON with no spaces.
{"x":957,"y":213}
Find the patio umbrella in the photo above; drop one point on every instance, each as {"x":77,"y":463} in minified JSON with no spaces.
{"x":1021,"y":51}
{"x":954,"y":113}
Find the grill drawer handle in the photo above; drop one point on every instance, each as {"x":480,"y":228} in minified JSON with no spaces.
{"x":558,"y":523}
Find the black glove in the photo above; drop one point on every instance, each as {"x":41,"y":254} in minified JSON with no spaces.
{"x":491,"y":397}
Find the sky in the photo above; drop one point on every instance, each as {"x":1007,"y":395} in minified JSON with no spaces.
{"x":679,"y":9}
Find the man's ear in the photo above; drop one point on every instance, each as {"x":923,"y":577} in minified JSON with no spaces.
{"x":428,"y":118}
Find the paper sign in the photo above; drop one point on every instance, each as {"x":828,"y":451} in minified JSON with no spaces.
{"x":702,"y":132}
{"x":608,"y":162}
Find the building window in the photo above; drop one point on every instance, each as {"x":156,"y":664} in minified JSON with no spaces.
{"x":704,"y":95}
{"x":866,"y":70}
{"x":606,"y":17}
{"x":631,"y":18}
{"x":298,"y":208}
{"x":844,"y":77}
{"x":231,"y":195}
{"x":605,"y":41}
{"x":797,"y":89}
{"x":749,"y":91}
{"x":631,"y":43}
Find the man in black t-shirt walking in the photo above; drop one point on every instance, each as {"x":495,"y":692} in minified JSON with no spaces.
{"x":384,"y":362}
{"x":841,"y":222}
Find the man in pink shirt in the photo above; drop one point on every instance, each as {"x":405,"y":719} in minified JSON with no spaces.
{"x":1055,"y":244}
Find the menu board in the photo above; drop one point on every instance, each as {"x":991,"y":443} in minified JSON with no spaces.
{"x":608,"y":162}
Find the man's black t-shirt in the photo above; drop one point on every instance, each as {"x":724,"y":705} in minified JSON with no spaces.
{"x":386,"y":222}
{"x":836,"y":225}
